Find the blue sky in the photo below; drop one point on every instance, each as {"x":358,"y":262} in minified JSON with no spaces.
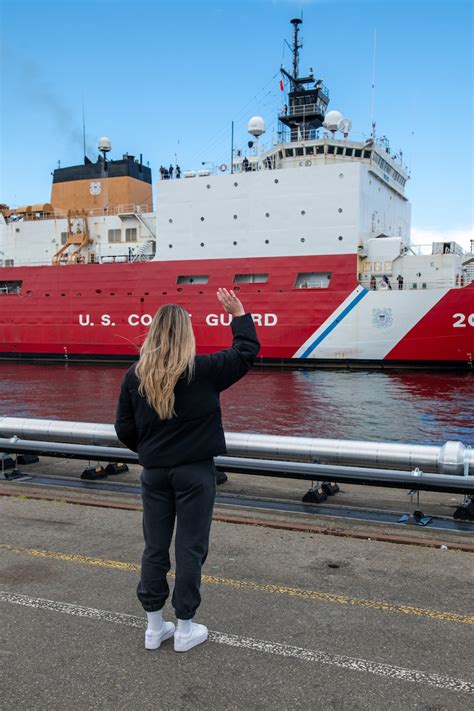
{"x":164,"y":78}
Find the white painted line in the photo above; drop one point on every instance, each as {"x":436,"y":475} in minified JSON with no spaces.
{"x":257,"y":645}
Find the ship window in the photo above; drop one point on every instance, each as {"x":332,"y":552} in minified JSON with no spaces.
{"x":313,"y":280}
{"x":331,"y":149}
{"x":340,"y":150}
{"x":115,"y":235}
{"x":10,"y":287}
{"x":319,"y":149}
{"x":250,"y":278}
{"x":193,"y":279}
{"x":366,"y":154}
{"x":348,"y":151}
{"x":9,"y":262}
{"x":309,"y":150}
{"x":289,"y":152}
{"x":300,"y":151}
{"x":63,"y":237}
{"x":131,"y":234}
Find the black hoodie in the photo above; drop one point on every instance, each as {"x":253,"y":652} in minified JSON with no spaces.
{"x":196,"y":431}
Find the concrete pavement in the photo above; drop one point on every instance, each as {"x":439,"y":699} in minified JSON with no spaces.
{"x":299,"y":621}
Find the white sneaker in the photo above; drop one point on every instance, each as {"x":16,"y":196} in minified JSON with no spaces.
{"x":154,"y":639}
{"x":198,"y":635}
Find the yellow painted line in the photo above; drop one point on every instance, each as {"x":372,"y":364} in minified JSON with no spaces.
{"x":314,"y":595}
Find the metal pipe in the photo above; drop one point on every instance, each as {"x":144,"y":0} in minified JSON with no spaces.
{"x":452,"y":458}
{"x":261,"y":467}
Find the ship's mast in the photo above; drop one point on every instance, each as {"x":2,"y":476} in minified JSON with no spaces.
{"x":307,"y":100}
{"x":296,"y":22}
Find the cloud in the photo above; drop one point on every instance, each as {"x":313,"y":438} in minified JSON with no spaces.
{"x":463,"y":236}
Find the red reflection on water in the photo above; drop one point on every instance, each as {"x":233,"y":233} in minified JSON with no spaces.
{"x":408,"y":407}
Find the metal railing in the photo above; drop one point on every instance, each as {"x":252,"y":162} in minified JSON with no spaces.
{"x":446,"y":467}
{"x":409,"y":284}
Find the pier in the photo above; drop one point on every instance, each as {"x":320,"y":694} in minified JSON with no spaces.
{"x":309,"y":605}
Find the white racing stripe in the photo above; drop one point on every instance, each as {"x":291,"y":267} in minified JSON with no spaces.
{"x":257,"y":645}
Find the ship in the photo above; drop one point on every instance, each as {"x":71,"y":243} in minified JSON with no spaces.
{"x":311,"y":231}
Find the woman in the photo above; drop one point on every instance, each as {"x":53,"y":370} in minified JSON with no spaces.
{"x":169,"y":412}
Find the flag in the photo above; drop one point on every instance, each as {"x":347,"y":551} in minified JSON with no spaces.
{"x":282,"y":86}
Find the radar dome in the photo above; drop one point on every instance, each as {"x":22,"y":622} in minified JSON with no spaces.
{"x":256,"y":126}
{"x":331,"y":120}
{"x":104,"y":144}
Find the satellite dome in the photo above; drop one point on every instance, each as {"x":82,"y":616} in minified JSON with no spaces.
{"x":105,"y":144}
{"x":332,"y":119}
{"x":256,"y":126}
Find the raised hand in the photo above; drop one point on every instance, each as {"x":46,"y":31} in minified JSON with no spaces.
{"x":230,"y":302}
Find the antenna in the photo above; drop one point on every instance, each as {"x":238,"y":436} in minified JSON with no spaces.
{"x":83,"y":129}
{"x":296,"y":22}
{"x":372,"y":109}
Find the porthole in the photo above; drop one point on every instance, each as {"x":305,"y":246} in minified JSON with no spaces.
{"x":78,"y":293}
{"x":142,"y":299}
{"x":341,"y":175}
{"x":267,"y":214}
{"x":340,"y":238}
{"x":63,"y":294}
{"x":147,"y":293}
{"x":179,"y":289}
{"x":208,"y":186}
{"x":302,"y":239}
{"x":129,"y":293}
{"x":235,"y":217}
{"x":303,"y":212}
{"x":236,"y":288}
{"x":276,"y":180}
{"x":339,"y":209}
{"x":46,"y":294}
{"x":164,"y":293}
{"x":236,"y":185}
{"x":98,"y":291}
{"x":267,"y":241}
{"x":202,"y":244}
{"x":202,"y":219}
{"x":170,"y":220}
{"x":234,"y":243}
{"x":170,"y":246}
{"x":112,"y":293}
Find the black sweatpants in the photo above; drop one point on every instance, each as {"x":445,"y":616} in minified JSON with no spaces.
{"x":185,"y":493}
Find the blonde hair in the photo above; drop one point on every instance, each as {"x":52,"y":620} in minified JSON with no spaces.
{"x":167,"y":353}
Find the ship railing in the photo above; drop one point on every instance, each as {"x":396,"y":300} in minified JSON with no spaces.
{"x":303,"y":110}
{"x":413,"y":284}
{"x":125,"y":209}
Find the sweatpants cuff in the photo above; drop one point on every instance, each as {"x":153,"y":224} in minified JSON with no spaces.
{"x":152,"y":608}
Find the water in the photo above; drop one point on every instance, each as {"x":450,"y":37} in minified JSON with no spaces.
{"x":415,"y":407}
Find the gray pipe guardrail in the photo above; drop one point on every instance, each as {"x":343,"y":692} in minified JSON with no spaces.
{"x":416,"y":479}
{"x":451,"y":458}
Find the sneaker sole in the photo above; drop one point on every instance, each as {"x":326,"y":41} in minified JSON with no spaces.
{"x":192,"y":643}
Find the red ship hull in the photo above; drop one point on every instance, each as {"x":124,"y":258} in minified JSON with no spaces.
{"x":102,"y":311}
